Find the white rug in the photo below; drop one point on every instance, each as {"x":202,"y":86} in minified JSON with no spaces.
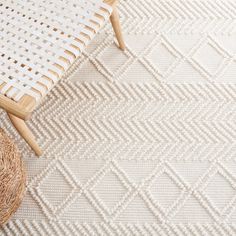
{"x":141,"y":142}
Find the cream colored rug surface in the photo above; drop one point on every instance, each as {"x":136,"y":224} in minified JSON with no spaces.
{"x":141,"y":142}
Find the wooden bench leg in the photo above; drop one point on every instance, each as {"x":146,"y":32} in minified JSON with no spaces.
{"x":115,"y":21}
{"x":25,"y":132}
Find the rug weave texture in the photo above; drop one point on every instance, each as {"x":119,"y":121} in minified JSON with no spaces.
{"x":141,"y":142}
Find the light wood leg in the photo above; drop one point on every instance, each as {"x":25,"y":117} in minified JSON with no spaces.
{"x":115,"y":21}
{"x":25,"y":132}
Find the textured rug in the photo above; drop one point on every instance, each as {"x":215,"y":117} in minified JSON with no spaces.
{"x":141,"y":142}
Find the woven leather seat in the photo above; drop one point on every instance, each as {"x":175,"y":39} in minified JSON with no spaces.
{"x":39,"y":40}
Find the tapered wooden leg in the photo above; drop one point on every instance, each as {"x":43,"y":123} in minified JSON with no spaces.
{"x":115,"y":21}
{"x":25,"y":132}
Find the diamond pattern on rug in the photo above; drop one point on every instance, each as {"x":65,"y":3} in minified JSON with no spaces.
{"x":164,"y":190}
{"x":140,"y":142}
{"x":222,"y":196}
{"x":54,"y":188}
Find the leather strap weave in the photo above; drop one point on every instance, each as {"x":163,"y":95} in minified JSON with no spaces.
{"x":40,"y":39}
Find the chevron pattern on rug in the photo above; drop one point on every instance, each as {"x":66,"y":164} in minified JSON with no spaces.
{"x":141,"y":142}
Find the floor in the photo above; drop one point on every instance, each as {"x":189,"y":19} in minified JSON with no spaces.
{"x":141,"y":142}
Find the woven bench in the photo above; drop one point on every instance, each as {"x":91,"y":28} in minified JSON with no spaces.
{"x":39,"y":41}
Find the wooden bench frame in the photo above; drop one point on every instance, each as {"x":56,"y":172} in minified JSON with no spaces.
{"x":19,"y":112}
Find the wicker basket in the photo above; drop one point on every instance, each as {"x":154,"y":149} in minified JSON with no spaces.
{"x":12,"y":178}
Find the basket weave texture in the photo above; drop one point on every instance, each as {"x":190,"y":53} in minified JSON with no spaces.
{"x":12,"y":178}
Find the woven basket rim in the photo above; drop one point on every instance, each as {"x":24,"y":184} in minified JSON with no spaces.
{"x":19,"y":180}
